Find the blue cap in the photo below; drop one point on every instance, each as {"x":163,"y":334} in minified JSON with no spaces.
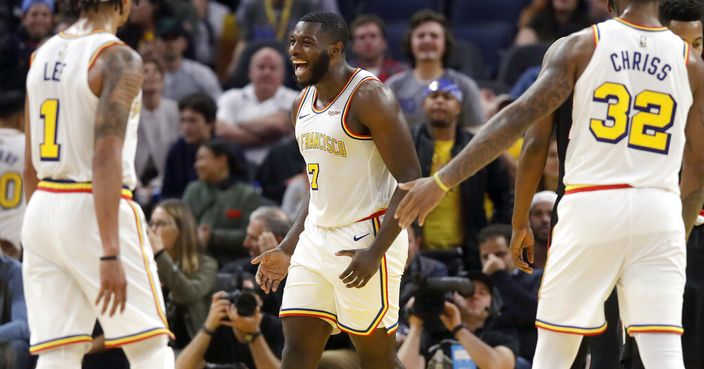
{"x":444,"y":85}
{"x":27,"y":4}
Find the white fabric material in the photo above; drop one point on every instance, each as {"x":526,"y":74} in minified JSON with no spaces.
{"x":12,"y":202}
{"x":555,"y":350}
{"x":64,"y":357}
{"x":57,"y":85}
{"x":240,"y":105}
{"x":660,"y":350}
{"x":158,"y":131}
{"x":150,"y":354}
{"x":648,"y":152}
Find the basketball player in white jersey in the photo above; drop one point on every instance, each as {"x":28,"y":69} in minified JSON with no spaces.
{"x":11,"y":166}
{"x":343,"y":257}
{"x":621,"y":220}
{"x":86,"y":250}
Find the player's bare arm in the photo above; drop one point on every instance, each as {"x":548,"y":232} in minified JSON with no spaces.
{"x":531,"y":162}
{"x":273,"y":264}
{"x":30,"y":174}
{"x":564,"y":61}
{"x":117,"y":79}
{"x":374,"y":109}
{"x":692,"y":182}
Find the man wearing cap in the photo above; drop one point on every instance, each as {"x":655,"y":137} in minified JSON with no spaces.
{"x":456,"y":222}
{"x":474,"y":337}
{"x":184,"y":77}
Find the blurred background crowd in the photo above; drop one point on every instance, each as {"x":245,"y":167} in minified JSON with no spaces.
{"x":221,"y":177}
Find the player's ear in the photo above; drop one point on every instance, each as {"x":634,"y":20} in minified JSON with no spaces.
{"x":336,"y":48}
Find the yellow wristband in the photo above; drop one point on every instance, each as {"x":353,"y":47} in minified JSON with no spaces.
{"x":437,"y":179}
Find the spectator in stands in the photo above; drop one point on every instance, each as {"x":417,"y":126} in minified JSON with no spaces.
{"x":283,"y":166}
{"x":221,"y":201}
{"x":548,"y":20}
{"x":460,"y":216}
{"x":208,"y":29}
{"x":229,"y":338}
{"x":12,"y":150}
{"x":539,"y":217}
{"x":417,"y":266}
{"x":684,"y":18}
{"x":518,"y":290}
{"x":471,"y":321}
{"x":369,"y":47}
{"x":551,"y":172}
{"x":197,"y":114}
{"x":260,"y":113}
{"x":14,"y":331}
{"x":158,"y":130}
{"x":429,"y":44}
{"x":268,"y":225}
{"x":37,"y":24}
{"x":184,"y":77}
{"x":185,"y":272}
{"x":140,"y":31}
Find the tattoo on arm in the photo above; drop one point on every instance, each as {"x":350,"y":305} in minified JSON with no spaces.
{"x":122,"y":82}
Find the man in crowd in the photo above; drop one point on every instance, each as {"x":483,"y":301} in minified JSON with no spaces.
{"x":369,"y":47}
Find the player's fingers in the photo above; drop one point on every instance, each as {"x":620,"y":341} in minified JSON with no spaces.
{"x":363,"y":282}
{"x":124,"y":298}
{"x":346,"y":272}
{"x":529,"y":250}
{"x":100,"y":295}
{"x":259,"y":258}
{"x":275,"y":285}
{"x":406,"y":185}
{"x":402,"y":207}
{"x":115,"y":303}
{"x":106,"y":301}
{"x":345,"y":253}
{"x":350,"y":278}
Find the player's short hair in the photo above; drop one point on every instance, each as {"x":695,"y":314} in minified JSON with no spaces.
{"x":495,"y":230}
{"x":94,"y":5}
{"x":425,"y":16}
{"x":275,"y":220}
{"x":11,"y":103}
{"x":331,"y":24}
{"x":680,"y":10}
{"x":200,"y":103}
{"x":366,"y":19}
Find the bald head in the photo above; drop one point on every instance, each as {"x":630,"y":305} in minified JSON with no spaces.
{"x":266,"y":72}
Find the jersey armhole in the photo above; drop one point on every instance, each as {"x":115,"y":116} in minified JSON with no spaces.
{"x":99,"y":51}
{"x":300,"y":103}
{"x":597,"y":34}
{"x":346,"y":109}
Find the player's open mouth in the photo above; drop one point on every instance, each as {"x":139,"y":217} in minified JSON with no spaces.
{"x":300,"y":67}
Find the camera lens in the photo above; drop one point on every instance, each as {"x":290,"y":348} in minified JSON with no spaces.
{"x":246,"y":304}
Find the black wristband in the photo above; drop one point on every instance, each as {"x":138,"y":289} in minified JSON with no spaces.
{"x":207,"y":331}
{"x":457,"y":328}
{"x":109,"y":257}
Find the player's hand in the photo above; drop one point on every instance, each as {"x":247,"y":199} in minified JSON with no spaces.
{"x":113,"y":287}
{"x":362,"y":268}
{"x":493,"y":264}
{"x":522,"y":238}
{"x":422,"y":197}
{"x":450,"y":316}
{"x":273,"y":267}
{"x":217,"y":315}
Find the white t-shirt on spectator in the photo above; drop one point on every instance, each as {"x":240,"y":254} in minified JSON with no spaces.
{"x":241,"y":105}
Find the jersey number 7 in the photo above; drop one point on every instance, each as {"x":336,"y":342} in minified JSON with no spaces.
{"x":648,"y":131}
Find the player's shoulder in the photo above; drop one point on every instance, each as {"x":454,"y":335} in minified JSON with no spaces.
{"x":576,"y":48}
{"x":118,"y":56}
{"x":695,"y":70}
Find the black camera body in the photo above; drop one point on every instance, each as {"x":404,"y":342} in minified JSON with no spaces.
{"x":245,"y":301}
{"x":432,"y":292}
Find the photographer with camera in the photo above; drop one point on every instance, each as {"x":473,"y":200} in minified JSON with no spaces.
{"x":236,"y":334}
{"x":470,"y":338}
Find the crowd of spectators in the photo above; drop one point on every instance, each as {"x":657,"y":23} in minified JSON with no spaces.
{"x":221,"y":176}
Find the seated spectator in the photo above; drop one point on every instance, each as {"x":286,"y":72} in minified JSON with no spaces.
{"x":197,"y":115}
{"x":158,"y":131}
{"x":369,"y":47}
{"x":14,"y":331}
{"x":140,"y":30}
{"x":540,"y":217}
{"x":37,"y":24}
{"x":210,"y":21}
{"x":184,"y":77}
{"x":228,"y":337}
{"x":548,"y":20}
{"x":221,"y":201}
{"x":429,"y":44}
{"x":518,"y":290}
{"x":268,"y":225}
{"x":184,"y":271}
{"x":470,"y":327}
{"x":259,"y":114}
{"x":282,"y":166}
{"x":12,"y":152}
{"x":460,"y":216}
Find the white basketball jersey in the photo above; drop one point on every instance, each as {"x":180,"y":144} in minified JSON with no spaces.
{"x":11,"y":188}
{"x":630,"y":108}
{"x":349,"y":180}
{"x":62,"y":109}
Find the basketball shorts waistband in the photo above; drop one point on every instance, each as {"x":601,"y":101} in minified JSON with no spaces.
{"x":67,"y":186}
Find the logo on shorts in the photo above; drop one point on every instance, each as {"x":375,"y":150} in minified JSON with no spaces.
{"x":360,"y":237}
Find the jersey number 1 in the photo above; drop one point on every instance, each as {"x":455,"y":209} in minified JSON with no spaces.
{"x":49,"y":150}
{"x":648,"y":132}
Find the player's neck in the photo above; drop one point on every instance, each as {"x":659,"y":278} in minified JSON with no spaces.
{"x":333,"y":82}
{"x":91,"y":21}
{"x":428,"y":70}
{"x":643,"y":14}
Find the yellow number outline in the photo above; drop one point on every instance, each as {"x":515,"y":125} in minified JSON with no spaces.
{"x":49,"y":150}
{"x":10,"y":201}
{"x":646,"y":129}
{"x":314,"y":171}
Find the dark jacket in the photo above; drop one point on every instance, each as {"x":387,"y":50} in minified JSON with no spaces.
{"x":493,"y":180}
{"x":179,"y":171}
